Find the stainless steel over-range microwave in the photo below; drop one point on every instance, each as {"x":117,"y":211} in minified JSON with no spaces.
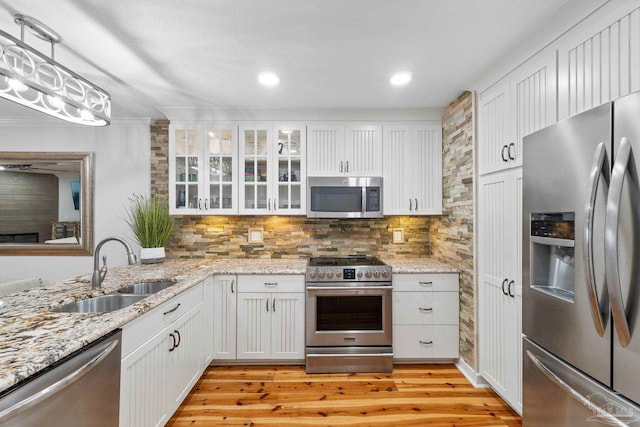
{"x":344,"y":197}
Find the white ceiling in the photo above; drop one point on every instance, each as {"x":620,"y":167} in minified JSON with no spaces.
{"x":156,"y":55}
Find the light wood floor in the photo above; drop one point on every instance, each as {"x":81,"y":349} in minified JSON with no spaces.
{"x":414,"y":395}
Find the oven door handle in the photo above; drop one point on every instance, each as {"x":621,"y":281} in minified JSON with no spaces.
{"x":349,"y":288}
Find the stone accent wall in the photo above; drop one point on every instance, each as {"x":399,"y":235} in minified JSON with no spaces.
{"x":452,"y":234}
{"x":160,"y":157}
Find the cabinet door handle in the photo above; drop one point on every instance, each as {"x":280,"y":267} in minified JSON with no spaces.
{"x":426,"y":342}
{"x":206,"y":204}
{"x":511,"y":283}
{"x":200,"y":204}
{"x":410,"y":205}
{"x":232,"y":285}
{"x":269,"y":203}
{"x":347,"y":168}
{"x":274,"y":305}
{"x":416,"y":204}
{"x":173,"y":343}
{"x":271,"y":283}
{"x":179,"y":338}
{"x":275,"y":204}
{"x":509,"y":151}
{"x":504,"y":282}
{"x":504,"y":159}
{"x":172,"y":310}
{"x":425,"y":310}
{"x":426,"y":283}
{"x":267,"y":304}
{"x":341,"y":166}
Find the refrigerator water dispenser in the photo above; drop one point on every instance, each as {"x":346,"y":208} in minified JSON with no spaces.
{"x":552,"y":254}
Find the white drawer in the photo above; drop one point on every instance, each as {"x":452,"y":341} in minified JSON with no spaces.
{"x":425,"y":342}
{"x":425,"y":308}
{"x":271,"y":283}
{"x":139,"y":330}
{"x":437,"y":282}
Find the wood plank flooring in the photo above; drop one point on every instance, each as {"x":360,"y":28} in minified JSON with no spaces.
{"x":413,"y":395}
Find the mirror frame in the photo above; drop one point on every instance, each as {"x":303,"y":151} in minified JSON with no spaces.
{"x":85,"y":246}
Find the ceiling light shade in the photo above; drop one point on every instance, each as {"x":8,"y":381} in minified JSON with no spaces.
{"x":401,"y":78}
{"x":268,"y":78}
{"x":37,"y":81}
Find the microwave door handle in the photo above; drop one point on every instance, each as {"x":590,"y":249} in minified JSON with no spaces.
{"x":611,"y":242}
{"x":599,"y":169}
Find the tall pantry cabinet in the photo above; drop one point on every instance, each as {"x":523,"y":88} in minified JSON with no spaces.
{"x":521,"y":103}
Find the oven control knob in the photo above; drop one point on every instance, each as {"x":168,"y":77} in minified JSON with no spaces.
{"x":367,"y":274}
{"x":359,"y":274}
{"x":338,"y":274}
{"x":385,"y":273}
{"x":320,"y":274}
{"x":329,"y":274}
{"x":376,"y":274}
{"x":312,"y":274}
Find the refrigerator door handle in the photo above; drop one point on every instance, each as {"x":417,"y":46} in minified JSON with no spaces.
{"x":599,"y":169}
{"x":611,"y":242}
{"x":599,"y":413}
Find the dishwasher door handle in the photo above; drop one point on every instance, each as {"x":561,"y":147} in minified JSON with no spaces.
{"x":104,"y":349}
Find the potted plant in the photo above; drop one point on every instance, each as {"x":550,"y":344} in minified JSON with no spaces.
{"x":151,"y":225}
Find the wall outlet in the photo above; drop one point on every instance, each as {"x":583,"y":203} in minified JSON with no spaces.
{"x":398,"y":235}
{"x":256,"y":235}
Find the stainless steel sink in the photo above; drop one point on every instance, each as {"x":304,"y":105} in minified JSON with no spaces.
{"x":147,"y":287}
{"x":101,"y":304}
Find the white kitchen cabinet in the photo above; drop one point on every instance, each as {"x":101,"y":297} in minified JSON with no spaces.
{"x":271,"y":317}
{"x":412,"y":169}
{"x":208,"y":314}
{"x":517,"y":105}
{"x":499,"y":283}
{"x":425,"y":316}
{"x":162,"y":357}
{"x":202,"y":168}
{"x":224,"y":316}
{"x":599,"y":59}
{"x":336,"y":149}
{"x":273,"y":162}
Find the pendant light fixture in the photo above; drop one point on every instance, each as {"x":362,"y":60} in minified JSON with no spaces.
{"x":37,"y":81}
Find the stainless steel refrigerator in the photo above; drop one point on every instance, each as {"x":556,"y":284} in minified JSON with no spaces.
{"x":581,"y":269}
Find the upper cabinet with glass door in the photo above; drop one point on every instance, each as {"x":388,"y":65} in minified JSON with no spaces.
{"x":202,"y":159}
{"x":272,"y":158}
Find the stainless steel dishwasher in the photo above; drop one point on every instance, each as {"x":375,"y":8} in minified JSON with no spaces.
{"x":82,"y":389}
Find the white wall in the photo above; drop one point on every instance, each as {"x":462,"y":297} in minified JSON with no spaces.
{"x":122,"y":167}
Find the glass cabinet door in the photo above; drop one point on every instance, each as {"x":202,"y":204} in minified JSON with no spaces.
{"x":220,"y":170}
{"x":289,"y":161}
{"x":186,"y":158}
{"x":254,"y":147}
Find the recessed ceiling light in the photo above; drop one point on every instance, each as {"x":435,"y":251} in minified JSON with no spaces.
{"x":268,"y":78}
{"x":401,"y":78}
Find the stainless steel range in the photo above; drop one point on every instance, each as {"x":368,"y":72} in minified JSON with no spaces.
{"x":348,"y":310}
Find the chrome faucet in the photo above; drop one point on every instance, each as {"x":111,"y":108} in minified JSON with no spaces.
{"x":100,"y":273}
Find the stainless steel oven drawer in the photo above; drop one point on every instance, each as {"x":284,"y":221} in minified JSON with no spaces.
{"x":323,"y":360}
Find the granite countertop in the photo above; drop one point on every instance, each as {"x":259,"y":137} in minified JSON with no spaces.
{"x":418,"y":265}
{"x":34,"y":337}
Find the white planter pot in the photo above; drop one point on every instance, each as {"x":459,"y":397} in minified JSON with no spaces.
{"x":151,"y":255}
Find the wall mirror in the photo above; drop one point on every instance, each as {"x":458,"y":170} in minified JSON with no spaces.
{"x":46,"y":203}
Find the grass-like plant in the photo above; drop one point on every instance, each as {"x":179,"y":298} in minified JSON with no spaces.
{"x":149,"y":220}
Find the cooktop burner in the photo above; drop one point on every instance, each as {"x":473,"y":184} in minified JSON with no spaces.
{"x":343,"y":261}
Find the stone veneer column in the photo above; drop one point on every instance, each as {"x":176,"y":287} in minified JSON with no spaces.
{"x":160,"y":158}
{"x":452,"y":234}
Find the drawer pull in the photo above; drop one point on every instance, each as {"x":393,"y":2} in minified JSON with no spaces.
{"x":172,"y":310}
{"x":426,"y":310}
{"x":271,"y":283}
{"x":426,"y":342}
{"x":430,"y":283}
{"x":173,"y":345}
